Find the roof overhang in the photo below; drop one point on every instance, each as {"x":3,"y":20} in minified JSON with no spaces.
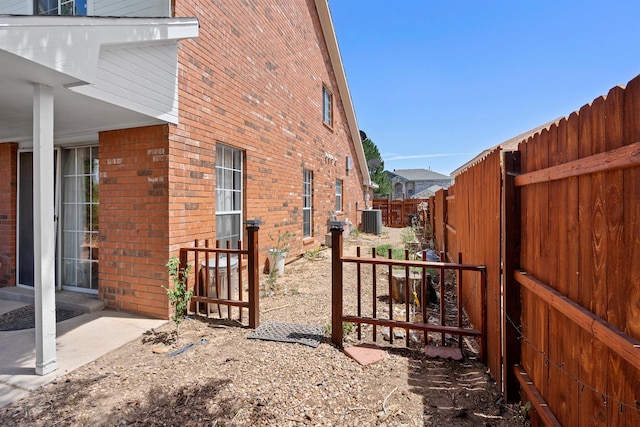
{"x":326,"y":22}
{"x":65,"y":53}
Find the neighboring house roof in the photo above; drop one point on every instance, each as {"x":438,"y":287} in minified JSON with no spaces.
{"x":425,"y":194}
{"x":418,"y":175}
{"x":508,"y":145}
{"x":328,"y":31}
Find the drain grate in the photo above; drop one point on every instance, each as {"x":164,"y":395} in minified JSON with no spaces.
{"x":286,"y":332}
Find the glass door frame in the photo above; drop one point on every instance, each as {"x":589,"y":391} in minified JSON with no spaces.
{"x":57,"y":153}
{"x":61,"y":261}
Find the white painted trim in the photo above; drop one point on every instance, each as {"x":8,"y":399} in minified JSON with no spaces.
{"x":80,"y":60}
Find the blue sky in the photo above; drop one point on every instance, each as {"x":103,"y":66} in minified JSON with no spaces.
{"x":433,"y":83}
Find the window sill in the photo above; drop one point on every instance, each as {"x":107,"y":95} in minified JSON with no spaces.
{"x":308,"y":241}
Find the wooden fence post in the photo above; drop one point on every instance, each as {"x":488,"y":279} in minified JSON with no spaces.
{"x":337,"y":227}
{"x":253,"y":266}
{"x":511,"y":351}
{"x":432,"y":212}
{"x":184,"y":258}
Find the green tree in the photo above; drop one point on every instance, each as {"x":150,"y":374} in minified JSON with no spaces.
{"x":376,"y":168}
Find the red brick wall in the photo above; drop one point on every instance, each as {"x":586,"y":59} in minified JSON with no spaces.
{"x":134,"y":219}
{"x":253,"y":80}
{"x":8,"y":209}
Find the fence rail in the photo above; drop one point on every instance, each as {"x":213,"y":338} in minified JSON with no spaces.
{"x":419,"y":300}
{"x":399,"y":213}
{"x":556,"y":222}
{"x":218,"y":278}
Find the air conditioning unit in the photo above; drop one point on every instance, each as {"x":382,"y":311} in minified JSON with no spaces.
{"x":372,"y":221}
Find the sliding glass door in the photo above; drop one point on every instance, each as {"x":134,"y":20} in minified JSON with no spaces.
{"x":79,"y":219}
{"x":77,"y":225}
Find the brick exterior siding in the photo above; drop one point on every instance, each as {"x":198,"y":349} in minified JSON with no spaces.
{"x":8,"y":209}
{"x":252,"y":80}
{"x":134,"y":219}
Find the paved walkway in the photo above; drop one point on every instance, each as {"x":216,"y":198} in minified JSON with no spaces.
{"x":79,"y":341}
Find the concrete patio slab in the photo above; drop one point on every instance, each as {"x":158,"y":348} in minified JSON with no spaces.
{"x":80,"y":340}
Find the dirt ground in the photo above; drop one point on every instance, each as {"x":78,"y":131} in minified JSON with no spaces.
{"x":225,"y":379}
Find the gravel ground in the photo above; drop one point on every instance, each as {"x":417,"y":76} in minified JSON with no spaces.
{"x":225,"y":379}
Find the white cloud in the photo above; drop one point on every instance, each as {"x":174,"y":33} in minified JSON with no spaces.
{"x":395,"y":156}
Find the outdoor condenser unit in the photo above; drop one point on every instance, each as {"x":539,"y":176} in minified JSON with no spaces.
{"x":372,"y":221}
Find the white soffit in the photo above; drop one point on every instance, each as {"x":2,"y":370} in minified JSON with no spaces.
{"x":106,"y":73}
{"x":71,"y":45}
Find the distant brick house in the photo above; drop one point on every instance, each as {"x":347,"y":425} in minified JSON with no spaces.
{"x":408,"y":183}
{"x":143,"y":125}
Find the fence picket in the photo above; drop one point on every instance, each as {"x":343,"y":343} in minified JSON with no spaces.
{"x":579,"y":188}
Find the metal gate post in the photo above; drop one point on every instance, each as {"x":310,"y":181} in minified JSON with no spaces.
{"x":253,"y":272}
{"x":337,"y":227}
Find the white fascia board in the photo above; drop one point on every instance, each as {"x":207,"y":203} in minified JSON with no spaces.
{"x":71,"y":45}
{"x":336,"y":61}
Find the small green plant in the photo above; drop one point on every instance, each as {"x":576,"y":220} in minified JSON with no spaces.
{"x":271,"y":281}
{"x":281,"y":246}
{"x":179,"y":295}
{"x":313,"y":254}
{"x":347,"y":327}
{"x":524,"y":410}
{"x":383,"y":251}
{"x":356,"y":233}
{"x":408,"y":236}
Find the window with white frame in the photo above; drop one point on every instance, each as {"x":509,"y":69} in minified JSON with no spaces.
{"x":80,"y":195}
{"x":228,"y":195}
{"x":327,"y":106}
{"x":61,"y":7}
{"x":307,"y":189}
{"x":338,"y":195}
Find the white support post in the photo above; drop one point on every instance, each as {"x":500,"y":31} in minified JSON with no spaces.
{"x":44,"y":229}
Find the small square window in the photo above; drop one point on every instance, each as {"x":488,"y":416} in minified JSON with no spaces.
{"x":327,"y":106}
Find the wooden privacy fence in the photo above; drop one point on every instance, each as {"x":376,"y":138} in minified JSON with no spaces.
{"x":579,"y":266}
{"x":218,"y":279}
{"x":420,"y":298}
{"x":398,"y":213}
{"x":466,"y":219}
{"x":556,"y":223}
